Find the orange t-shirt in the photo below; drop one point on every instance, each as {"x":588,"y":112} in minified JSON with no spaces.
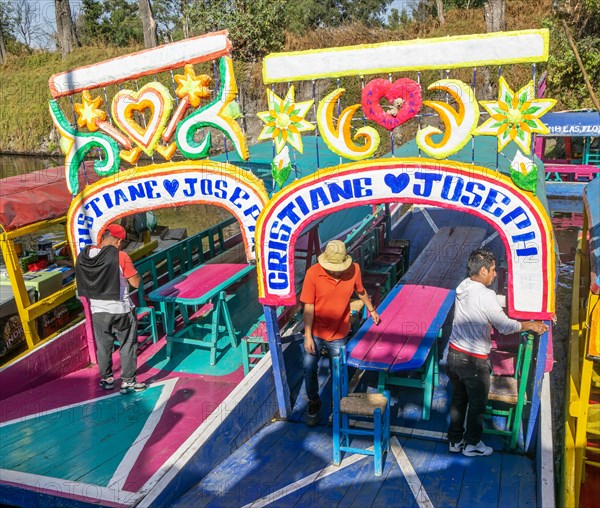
{"x":331,"y":298}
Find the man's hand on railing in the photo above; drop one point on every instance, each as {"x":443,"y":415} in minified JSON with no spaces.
{"x":538,"y":327}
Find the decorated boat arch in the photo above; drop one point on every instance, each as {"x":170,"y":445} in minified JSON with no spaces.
{"x":168,"y":185}
{"x":518,"y":217}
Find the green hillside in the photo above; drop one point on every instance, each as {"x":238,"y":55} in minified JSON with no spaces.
{"x":25,"y":124}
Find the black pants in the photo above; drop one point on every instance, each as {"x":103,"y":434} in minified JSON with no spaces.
{"x":123,"y":327}
{"x":470,"y":378}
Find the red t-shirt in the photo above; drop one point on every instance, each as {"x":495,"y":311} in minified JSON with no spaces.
{"x":331,"y":298}
{"x":126,"y":265}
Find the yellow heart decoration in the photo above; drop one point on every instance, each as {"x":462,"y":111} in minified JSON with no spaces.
{"x":167,"y":151}
{"x":131,"y":156}
{"x":126,"y":103}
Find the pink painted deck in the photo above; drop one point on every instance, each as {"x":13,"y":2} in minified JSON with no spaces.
{"x":193,"y":399}
{"x":411,"y":318}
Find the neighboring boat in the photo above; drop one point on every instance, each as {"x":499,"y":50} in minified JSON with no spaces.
{"x":581,"y":460}
{"x":570,"y":151}
{"x":204,"y":431}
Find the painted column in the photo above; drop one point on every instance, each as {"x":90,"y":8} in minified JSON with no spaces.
{"x":282,"y":388}
{"x":540,"y":364}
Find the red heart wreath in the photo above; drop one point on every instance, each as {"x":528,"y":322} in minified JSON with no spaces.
{"x":406,"y":89}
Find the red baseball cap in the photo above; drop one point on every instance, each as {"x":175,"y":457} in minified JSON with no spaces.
{"x":117,"y":231}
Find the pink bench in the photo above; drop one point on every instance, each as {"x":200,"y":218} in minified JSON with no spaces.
{"x":585,"y":172}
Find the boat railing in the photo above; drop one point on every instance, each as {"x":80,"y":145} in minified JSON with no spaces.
{"x":29,"y":310}
{"x":584,"y":312}
{"x":167,"y":264}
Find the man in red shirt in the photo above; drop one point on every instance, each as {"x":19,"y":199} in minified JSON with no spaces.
{"x":326,"y":293}
{"x":103,"y":275}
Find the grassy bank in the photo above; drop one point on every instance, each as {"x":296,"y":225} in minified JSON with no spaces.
{"x":25,"y":124}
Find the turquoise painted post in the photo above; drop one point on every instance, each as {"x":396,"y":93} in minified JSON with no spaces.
{"x":388,"y":224}
{"x":377,"y":441}
{"x":540,"y":364}
{"x":281,"y":385}
{"x":337,"y":395}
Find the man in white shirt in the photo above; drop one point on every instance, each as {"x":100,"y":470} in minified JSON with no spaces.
{"x":476,"y":311}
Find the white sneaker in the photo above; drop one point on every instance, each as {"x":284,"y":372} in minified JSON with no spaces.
{"x":478,"y":450}
{"x":456,"y":447}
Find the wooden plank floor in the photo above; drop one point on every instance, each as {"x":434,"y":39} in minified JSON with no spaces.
{"x":289,"y":464}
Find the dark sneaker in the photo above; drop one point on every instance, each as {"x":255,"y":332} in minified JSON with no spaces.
{"x":456,"y":447}
{"x":312,"y":413}
{"x":132,"y":386}
{"x":108,"y":383}
{"x":478,"y":450}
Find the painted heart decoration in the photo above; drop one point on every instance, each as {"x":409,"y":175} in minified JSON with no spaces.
{"x":406,"y":89}
{"x":397,"y":183}
{"x":152,"y":96}
{"x":171,"y":187}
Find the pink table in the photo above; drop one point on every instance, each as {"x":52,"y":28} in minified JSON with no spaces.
{"x":412,"y":317}
{"x":193,"y":289}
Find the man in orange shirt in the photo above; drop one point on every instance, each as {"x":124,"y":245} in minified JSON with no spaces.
{"x":326,"y":293}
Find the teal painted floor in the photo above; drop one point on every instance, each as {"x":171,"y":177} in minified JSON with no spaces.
{"x":84,"y":442}
{"x":195,"y":360}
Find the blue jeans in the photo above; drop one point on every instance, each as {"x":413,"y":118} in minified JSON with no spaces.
{"x":470,"y":378}
{"x":311,"y":363}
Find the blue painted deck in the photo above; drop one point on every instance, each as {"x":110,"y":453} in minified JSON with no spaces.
{"x":290,"y":464}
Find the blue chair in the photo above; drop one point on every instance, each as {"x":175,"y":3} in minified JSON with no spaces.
{"x":364,"y":406}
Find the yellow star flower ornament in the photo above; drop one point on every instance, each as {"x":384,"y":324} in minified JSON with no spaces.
{"x":515,"y":116}
{"x":192,"y":86}
{"x":285,"y":120}
{"x":89,"y":112}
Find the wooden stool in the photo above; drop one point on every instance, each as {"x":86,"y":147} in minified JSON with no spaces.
{"x":374,"y":406}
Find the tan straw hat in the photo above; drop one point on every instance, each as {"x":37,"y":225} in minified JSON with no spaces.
{"x":335,"y":258}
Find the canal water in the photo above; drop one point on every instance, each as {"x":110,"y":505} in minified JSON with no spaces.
{"x":567,"y":220}
{"x":11,"y":165}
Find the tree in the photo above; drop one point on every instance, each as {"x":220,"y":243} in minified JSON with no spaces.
{"x":23,"y":19}
{"x":439,"y":7}
{"x":115,"y":22}
{"x":397,"y":19}
{"x":426,"y":10}
{"x":89,"y":21}
{"x":311,"y":14}
{"x":2,"y":49}
{"x":256,"y":27}
{"x":494,"y":15}
{"x":5,"y":29}
{"x":566,"y":73}
{"x":463,"y":4}
{"x":65,"y":28}
{"x":148,"y":24}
